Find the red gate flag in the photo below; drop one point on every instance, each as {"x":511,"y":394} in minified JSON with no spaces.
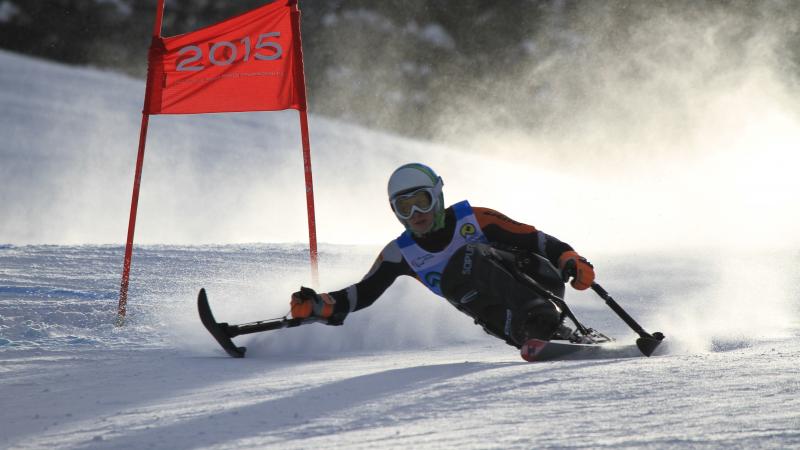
{"x":251,"y":62}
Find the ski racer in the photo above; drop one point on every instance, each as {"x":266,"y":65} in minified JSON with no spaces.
{"x":482,"y":262}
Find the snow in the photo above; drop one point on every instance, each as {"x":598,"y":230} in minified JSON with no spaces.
{"x":408,"y":372}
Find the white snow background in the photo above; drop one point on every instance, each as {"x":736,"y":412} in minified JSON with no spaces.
{"x":700,"y":243}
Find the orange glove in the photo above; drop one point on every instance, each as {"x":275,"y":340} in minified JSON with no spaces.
{"x":576,"y":266}
{"x":307,"y":303}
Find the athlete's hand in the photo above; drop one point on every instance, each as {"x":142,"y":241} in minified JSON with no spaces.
{"x":575,"y":266}
{"x":306,"y":303}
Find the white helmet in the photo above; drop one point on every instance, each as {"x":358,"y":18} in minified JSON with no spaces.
{"x":410,"y":177}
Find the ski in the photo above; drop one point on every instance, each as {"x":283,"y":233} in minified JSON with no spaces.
{"x":218,"y":330}
{"x":223,"y":332}
{"x":536,"y":350}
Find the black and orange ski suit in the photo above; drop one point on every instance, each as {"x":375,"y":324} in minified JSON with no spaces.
{"x":501,"y":231}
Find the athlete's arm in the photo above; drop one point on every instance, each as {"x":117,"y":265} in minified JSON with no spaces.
{"x":499,"y":228}
{"x":387,"y":267}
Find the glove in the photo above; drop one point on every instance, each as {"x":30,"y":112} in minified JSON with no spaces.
{"x":576,"y":266}
{"x":306,"y":303}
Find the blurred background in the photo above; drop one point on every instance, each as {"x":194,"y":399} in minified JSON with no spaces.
{"x":442,"y":68}
{"x":629,"y":124}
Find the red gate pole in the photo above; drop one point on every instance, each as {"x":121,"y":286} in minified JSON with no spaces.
{"x":126,"y":266}
{"x":137,"y":179}
{"x":312,"y":225}
{"x":301,"y":78}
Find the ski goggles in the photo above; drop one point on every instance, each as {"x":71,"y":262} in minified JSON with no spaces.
{"x":422,"y":200}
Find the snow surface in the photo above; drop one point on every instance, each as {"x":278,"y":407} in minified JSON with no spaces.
{"x":409,"y":372}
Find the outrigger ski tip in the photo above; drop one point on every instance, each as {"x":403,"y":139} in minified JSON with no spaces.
{"x":648,"y":342}
{"x":218,"y":330}
{"x":224,"y":332}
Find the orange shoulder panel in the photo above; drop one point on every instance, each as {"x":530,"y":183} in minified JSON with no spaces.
{"x":488,"y":217}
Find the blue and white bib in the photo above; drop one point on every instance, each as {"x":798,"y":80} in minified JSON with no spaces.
{"x":429,"y":266}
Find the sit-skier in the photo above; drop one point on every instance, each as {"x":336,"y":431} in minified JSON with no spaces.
{"x":488,"y":266}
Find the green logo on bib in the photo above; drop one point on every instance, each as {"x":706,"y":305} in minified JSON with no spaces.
{"x":433,"y":279}
{"x":467,"y":229}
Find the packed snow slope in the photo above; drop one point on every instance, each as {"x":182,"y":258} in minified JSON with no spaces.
{"x":408,"y":372}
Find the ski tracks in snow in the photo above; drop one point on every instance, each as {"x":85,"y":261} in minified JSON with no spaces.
{"x":461,"y":396}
